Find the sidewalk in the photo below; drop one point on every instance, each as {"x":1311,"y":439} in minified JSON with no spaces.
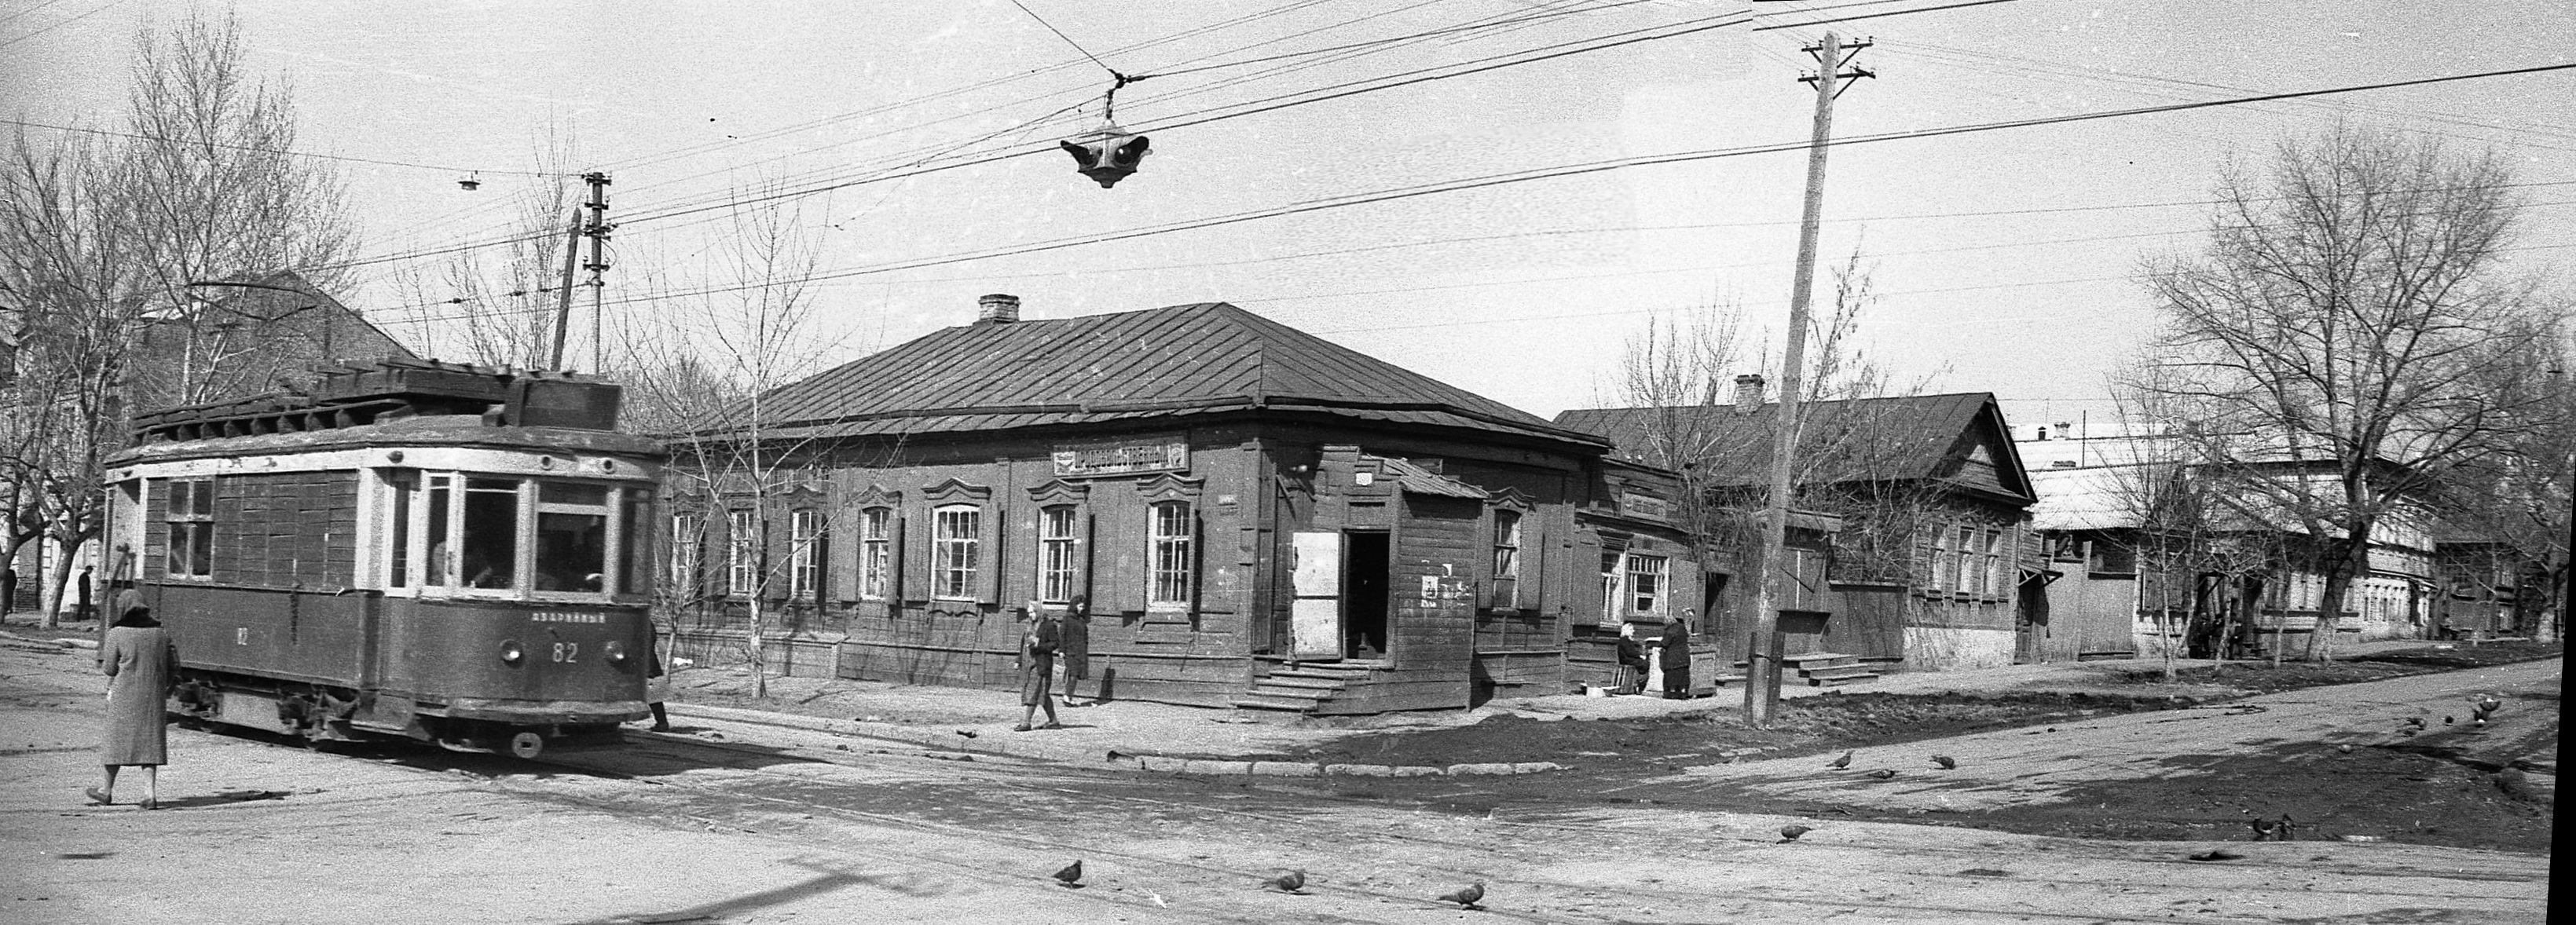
{"x":1204,"y":740}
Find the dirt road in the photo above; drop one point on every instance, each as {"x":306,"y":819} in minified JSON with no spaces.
{"x":758,"y":824}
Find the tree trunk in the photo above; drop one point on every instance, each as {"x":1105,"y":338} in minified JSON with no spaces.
{"x":2355,"y":562}
{"x":58,"y":576}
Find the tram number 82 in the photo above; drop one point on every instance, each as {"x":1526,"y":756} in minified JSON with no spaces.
{"x":567,"y":651}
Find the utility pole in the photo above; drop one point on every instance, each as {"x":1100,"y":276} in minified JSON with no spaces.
{"x":563,"y":291}
{"x":1763,"y":649}
{"x":598,"y":265}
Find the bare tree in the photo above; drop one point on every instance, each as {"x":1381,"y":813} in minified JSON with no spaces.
{"x":1679,"y":372}
{"x":2519,"y":502}
{"x":2332,"y":344}
{"x":501,"y":312}
{"x":701,"y":379}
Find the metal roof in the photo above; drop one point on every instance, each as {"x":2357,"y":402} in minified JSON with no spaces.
{"x":1203,"y":358}
{"x":1866,"y":439}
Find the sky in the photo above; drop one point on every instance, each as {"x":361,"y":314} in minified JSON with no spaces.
{"x":2005,"y":260}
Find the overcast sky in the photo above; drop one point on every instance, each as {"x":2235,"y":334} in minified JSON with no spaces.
{"x":2005,"y":257}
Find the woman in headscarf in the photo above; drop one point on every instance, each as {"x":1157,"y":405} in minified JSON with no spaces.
{"x":1675,"y":658}
{"x":141,"y":663}
{"x":1074,"y":645}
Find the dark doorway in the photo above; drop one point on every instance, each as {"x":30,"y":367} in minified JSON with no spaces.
{"x":1364,"y":566}
{"x":2032,"y":633}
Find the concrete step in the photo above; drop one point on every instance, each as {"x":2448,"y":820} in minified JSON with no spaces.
{"x":1841,"y":680}
{"x":1302,"y":681}
{"x":1325,"y":672}
{"x":1808,"y":660}
{"x":1726,"y":679}
{"x":1258,"y":701}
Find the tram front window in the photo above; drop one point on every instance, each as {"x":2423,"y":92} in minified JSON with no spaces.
{"x":490,"y":546}
{"x":572,"y":537}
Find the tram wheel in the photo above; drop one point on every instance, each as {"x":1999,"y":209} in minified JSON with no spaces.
{"x":527,"y":745}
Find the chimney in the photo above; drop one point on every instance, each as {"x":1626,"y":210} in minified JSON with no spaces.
{"x":997,"y":308}
{"x":1748,"y":393}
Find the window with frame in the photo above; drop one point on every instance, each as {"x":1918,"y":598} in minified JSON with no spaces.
{"x":956,"y":551}
{"x":1994,"y":563}
{"x":1507,"y":559}
{"x":804,"y":537}
{"x":572,"y":537}
{"x":398,"y":531}
{"x":441,"y":569}
{"x":1972,"y":570}
{"x":1610,"y":589}
{"x":1169,"y":542}
{"x":1056,"y":530}
{"x":1945,"y":563}
{"x":635,"y":541}
{"x":742,"y":552}
{"x":1646,"y":586}
{"x":688,"y":554}
{"x":876,"y":552}
{"x":489,"y":548}
{"x":190,"y":515}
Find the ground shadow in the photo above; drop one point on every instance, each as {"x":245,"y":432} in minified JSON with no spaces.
{"x":827,"y":878}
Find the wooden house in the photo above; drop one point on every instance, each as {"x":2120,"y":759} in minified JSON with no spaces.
{"x":1918,"y":555}
{"x":1254,"y":515}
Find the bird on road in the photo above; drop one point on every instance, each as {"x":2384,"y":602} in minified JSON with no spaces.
{"x":1790,"y":832}
{"x":2216,"y":855}
{"x":1467,"y":896}
{"x":969,"y":733}
{"x":1071,"y":875}
{"x":2486,"y":705}
{"x":1289,"y":882}
{"x":1946,"y":762}
{"x":2415,"y":721}
{"x":2272,"y":830}
{"x":1840,"y":763}
{"x":2345,"y":748}
{"x":1883,"y":773}
{"x":2446,"y":721}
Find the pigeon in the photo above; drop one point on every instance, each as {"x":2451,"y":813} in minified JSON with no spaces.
{"x":2415,"y":721}
{"x":2346,"y":748}
{"x":1946,"y":762}
{"x":2216,"y":855}
{"x":2272,"y":830}
{"x":969,"y":733}
{"x":1840,"y":763}
{"x":1467,"y":896}
{"x":1790,"y":832}
{"x":2486,"y":706}
{"x":1883,"y":773}
{"x":1289,"y":882}
{"x":1071,"y":875}
{"x":2446,"y":720}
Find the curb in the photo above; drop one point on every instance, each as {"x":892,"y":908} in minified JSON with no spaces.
{"x":49,"y":645}
{"x":1162,"y":764}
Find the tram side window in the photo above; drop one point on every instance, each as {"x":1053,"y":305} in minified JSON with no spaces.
{"x":572,"y":537}
{"x":191,"y":519}
{"x":398,"y":552}
{"x":490,"y":546}
{"x":442,"y":549}
{"x":635,"y":542}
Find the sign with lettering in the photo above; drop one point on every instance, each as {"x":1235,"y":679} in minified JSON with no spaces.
{"x":1644,"y":505}
{"x":1122,"y":456}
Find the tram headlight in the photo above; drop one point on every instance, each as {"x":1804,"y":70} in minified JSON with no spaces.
{"x":511,"y":654}
{"x":616,"y":652}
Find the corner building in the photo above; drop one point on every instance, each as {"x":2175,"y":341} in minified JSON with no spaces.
{"x":1257,"y":517}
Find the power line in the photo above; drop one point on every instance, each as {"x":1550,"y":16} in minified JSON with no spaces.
{"x":110,"y":4}
{"x":1607,"y":165}
{"x":289,"y":152}
{"x":1059,"y":33}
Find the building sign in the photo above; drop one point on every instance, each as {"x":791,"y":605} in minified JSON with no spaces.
{"x":1644,"y":506}
{"x":1122,"y":456}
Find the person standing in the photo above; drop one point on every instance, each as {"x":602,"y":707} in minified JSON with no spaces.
{"x":1075,"y":635}
{"x":8,"y":587}
{"x":1037,"y":668}
{"x":657,"y":683}
{"x":1632,"y":660}
{"x":87,"y":610}
{"x":1676,"y":657}
{"x":141,"y":663}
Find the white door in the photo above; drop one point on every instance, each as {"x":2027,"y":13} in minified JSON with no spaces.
{"x":1316,"y":616}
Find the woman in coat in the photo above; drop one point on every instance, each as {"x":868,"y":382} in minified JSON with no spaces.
{"x":1074,"y":645}
{"x":141,"y":663}
{"x":1676,"y":658}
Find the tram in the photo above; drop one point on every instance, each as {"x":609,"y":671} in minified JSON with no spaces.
{"x":409,"y":549}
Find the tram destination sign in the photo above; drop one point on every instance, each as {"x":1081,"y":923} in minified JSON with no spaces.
{"x":1121,"y":456}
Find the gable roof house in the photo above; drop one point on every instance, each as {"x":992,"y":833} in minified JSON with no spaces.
{"x":253,"y":335}
{"x":1933,"y":561}
{"x":1253,"y":515}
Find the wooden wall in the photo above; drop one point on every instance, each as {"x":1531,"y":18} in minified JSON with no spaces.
{"x":271,"y":529}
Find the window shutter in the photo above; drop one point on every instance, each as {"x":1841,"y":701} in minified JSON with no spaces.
{"x":911,"y":578}
{"x":989,"y":532}
{"x":1083,"y":543}
{"x":841,"y":569}
{"x":1198,"y":561}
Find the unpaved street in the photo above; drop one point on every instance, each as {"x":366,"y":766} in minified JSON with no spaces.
{"x":772,"y":825}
